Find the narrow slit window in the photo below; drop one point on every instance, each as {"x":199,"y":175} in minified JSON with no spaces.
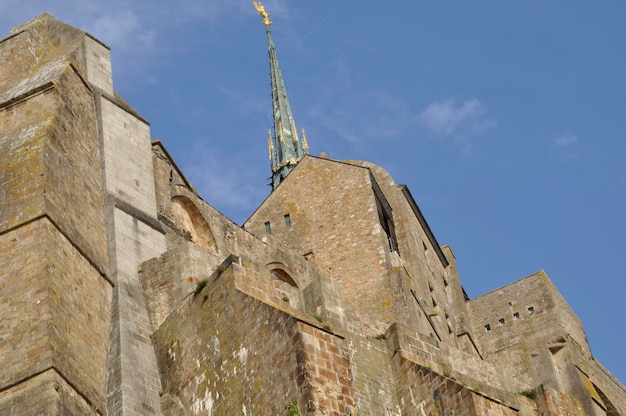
{"x":268,"y":228}
{"x":287,"y":221}
{"x":386,"y":218}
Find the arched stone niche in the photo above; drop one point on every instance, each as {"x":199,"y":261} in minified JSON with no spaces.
{"x":188,"y":217}
{"x":285,"y":286}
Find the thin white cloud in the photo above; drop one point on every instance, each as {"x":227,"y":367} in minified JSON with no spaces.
{"x":133,"y":29}
{"x":343,"y":107}
{"x":242,"y":101}
{"x":565,"y":140}
{"x":355,"y":113}
{"x":567,"y":146}
{"x":448,"y":116}
{"x":122,"y":28}
{"x":228,"y":183}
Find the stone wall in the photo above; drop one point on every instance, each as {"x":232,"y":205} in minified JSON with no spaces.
{"x":56,"y":295}
{"x":55,"y":311}
{"x":334,"y":222}
{"x":432,"y":381}
{"x":515,"y":325}
{"x":22,"y":142}
{"x":435,"y":300}
{"x":269,"y":360}
{"x":122,"y":292}
{"x":46,"y":393}
{"x":135,"y":235}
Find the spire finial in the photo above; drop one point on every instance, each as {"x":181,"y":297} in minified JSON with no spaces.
{"x":261,"y":9}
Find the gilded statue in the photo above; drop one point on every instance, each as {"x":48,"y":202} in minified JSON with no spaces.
{"x":262,"y":12}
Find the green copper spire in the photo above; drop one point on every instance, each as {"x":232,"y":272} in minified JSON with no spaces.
{"x":285,"y":146}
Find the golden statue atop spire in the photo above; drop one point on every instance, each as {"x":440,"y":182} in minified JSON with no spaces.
{"x":262,"y":12}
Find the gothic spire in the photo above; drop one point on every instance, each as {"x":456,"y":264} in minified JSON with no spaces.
{"x":285,"y":147}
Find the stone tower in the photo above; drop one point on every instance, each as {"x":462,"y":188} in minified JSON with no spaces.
{"x":122,"y":292}
{"x":78,"y":198}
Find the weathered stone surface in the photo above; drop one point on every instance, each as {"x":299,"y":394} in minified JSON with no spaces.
{"x":122,"y":292}
{"x":55,"y":312}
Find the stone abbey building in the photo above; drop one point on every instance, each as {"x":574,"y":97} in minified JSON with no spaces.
{"x":122,"y":292}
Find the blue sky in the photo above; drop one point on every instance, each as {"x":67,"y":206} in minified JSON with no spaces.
{"x":506,"y":119}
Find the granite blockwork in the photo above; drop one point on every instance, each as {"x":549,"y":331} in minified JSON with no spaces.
{"x":122,"y":292}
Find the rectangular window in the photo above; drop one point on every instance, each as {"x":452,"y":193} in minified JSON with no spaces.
{"x":287,"y":220}
{"x":268,"y":228}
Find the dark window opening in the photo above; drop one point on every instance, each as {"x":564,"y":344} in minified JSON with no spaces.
{"x":531,"y":310}
{"x":501,"y":320}
{"x":386,"y":221}
{"x":516,"y":315}
{"x":287,"y":220}
{"x":487,"y":327}
{"x":268,"y":228}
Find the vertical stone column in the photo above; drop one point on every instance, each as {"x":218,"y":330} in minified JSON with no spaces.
{"x":134,"y":236}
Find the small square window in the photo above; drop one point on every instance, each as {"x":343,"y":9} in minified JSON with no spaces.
{"x":516,"y":315}
{"x":531,"y":310}
{"x":501,"y":321}
{"x":487,"y":327}
{"x":268,"y":228}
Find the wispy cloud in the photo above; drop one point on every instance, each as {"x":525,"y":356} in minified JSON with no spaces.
{"x":243,"y":101}
{"x":227,"y":182}
{"x":565,"y":140}
{"x":355,"y":114}
{"x":132,"y":28}
{"x":121,"y":28}
{"x":566,"y":145}
{"x":449,"y":117}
